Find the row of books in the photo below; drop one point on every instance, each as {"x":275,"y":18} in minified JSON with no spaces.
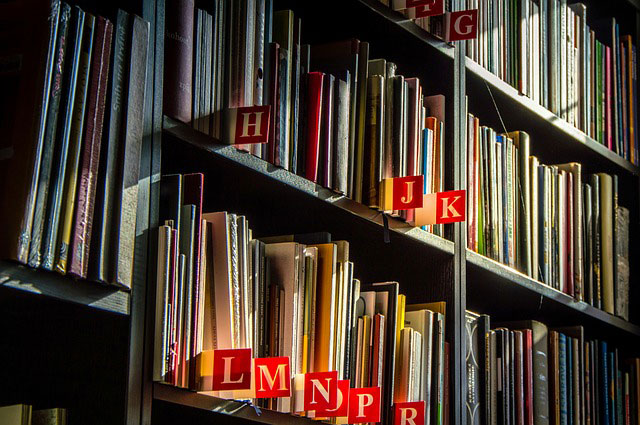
{"x":338,"y":118}
{"x":295,"y":296}
{"x":581,"y":69}
{"x":548,"y":221}
{"x":70,"y":189}
{"x":25,"y":414}
{"x":525,"y":373}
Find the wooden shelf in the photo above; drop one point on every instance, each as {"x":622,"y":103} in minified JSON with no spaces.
{"x":491,"y":284}
{"x":244,"y":159}
{"x":53,"y":285}
{"x":409,"y":26}
{"x":237,"y":409}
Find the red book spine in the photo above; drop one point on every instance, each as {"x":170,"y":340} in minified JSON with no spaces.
{"x":528,"y":374}
{"x":445,"y":408}
{"x":607,"y":112}
{"x":471,"y":184}
{"x":273,"y":100}
{"x":314,"y":115}
{"x":415,"y":135}
{"x":178,"y":48}
{"x":326,"y":131}
{"x":91,"y":150}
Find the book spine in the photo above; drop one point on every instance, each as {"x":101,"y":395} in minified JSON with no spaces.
{"x":48,"y":144}
{"x":22,"y":173}
{"x":59,"y":165}
{"x":128,"y":185}
{"x":75,"y":146}
{"x":83,"y":217}
{"x":178,"y":78}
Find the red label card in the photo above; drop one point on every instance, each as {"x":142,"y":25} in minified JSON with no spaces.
{"x":364,"y":405}
{"x":461,"y":25}
{"x":321,"y":391}
{"x":251,"y":124}
{"x":451,"y":206}
{"x":232,"y":369}
{"x":407,"y":192}
{"x":342,"y":411}
{"x":436,"y":7}
{"x":409,"y":413}
{"x":408,"y":4}
{"x":272,"y":377}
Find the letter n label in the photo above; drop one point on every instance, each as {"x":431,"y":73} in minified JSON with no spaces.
{"x":272,"y":377}
{"x":321,"y":391}
{"x":409,"y":413}
{"x":232,"y":369}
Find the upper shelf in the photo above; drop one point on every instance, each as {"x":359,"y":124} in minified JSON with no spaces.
{"x":237,"y":409}
{"x":491,"y":284}
{"x":552,"y":138}
{"x":203,"y":141}
{"x":53,"y":285}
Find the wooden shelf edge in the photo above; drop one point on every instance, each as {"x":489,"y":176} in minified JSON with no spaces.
{"x":506,"y":273}
{"x":245,"y":159}
{"x":238,"y":409}
{"x":544,"y":114}
{"x":53,"y":285}
{"x":408,"y":25}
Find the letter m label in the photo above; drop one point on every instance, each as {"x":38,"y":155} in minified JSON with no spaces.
{"x":450,"y":206}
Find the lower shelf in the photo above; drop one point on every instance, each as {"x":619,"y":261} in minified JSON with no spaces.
{"x":53,"y":285}
{"x":496,"y":288}
{"x":237,"y":409}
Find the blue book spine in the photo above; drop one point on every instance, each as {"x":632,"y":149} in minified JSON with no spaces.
{"x":570,"y":381}
{"x":541,"y":239}
{"x":612,"y":388}
{"x":604,"y":385}
{"x":562,"y":342}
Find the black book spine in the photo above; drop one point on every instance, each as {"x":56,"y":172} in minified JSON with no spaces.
{"x":59,"y":165}
{"x":48,"y":146}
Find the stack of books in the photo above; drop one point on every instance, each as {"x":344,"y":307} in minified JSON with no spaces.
{"x":547,"y":221}
{"x":525,"y":373}
{"x":70,"y":195}
{"x":219,"y":287}
{"x":338,"y":118}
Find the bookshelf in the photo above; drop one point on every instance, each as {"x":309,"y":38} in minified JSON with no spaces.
{"x":52,"y":285}
{"x":216,"y":408}
{"x":439,"y":269}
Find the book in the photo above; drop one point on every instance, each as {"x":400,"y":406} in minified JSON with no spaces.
{"x":17,"y":414}
{"x":83,"y":217}
{"x":178,"y":77}
{"x":100,"y":267}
